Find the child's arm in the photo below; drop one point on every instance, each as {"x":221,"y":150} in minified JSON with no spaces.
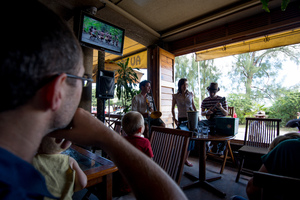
{"x":80,"y":177}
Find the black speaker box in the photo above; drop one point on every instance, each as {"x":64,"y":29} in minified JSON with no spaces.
{"x":105,"y":84}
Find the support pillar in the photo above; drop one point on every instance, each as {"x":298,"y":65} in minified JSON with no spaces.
{"x":86,"y":96}
{"x":101,"y":102}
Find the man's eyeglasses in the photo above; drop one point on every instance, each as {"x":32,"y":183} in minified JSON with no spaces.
{"x":85,"y":79}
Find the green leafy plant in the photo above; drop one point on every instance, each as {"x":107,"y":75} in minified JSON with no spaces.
{"x":265,"y":5}
{"x":127,"y":79}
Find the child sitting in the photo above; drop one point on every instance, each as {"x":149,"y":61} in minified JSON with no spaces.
{"x":133,"y":126}
{"x":62,"y":173}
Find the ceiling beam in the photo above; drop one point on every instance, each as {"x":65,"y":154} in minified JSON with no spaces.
{"x":130,"y":17}
{"x":212,"y":17}
{"x":252,"y":27}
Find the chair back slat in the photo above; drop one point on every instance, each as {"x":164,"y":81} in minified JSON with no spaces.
{"x":118,"y":128}
{"x":260,"y":132}
{"x":276,"y":187}
{"x":169,"y":147}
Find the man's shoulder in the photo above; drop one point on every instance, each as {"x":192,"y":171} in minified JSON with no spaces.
{"x":290,"y":143}
{"x":206,"y":99}
{"x":15,"y":176}
{"x":138,"y":96}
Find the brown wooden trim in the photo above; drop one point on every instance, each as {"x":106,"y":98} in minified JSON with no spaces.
{"x":244,"y":29}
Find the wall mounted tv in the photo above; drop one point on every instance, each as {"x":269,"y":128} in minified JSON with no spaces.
{"x":98,"y":34}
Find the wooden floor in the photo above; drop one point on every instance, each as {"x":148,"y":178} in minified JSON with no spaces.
{"x":227,"y":183}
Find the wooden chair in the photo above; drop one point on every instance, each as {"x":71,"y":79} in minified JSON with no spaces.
{"x":259,"y":133}
{"x":231,"y":111}
{"x":276,"y":187}
{"x":118,"y":128}
{"x":110,"y":119}
{"x":169,"y":148}
{"x":227,"y":155}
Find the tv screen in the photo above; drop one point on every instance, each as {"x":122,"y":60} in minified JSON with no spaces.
{"x":98,"y":34}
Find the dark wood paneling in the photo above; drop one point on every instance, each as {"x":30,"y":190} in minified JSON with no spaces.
{"x":243,"y":29}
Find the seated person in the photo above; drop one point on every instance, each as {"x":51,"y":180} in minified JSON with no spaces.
{"x":42,"y":78}
{"x":256,"y":128}
{"x":62,"y":173}
{"x":133,"y":125}
{"x":221,"y":110}
{"x":281,"y":138}
{"x":282,"y":160}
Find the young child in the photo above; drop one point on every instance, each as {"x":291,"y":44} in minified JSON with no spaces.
{"x":62,"y":173}
{"x":133,"y":125}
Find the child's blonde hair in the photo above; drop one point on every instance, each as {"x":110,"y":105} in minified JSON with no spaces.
{"x":132,"y":122}
{"x":50,"y":145}
{"x":280,"y":138}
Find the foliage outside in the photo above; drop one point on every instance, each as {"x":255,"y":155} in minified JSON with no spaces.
{"x":265,"y":5}
{"x":254,"y":82}
{"x":126,"y":81}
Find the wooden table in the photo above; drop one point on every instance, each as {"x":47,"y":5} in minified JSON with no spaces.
{"x":202,"y":181}
{"x":97,"y":169}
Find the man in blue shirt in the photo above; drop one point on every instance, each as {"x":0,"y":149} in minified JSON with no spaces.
{"x":41,"y":80}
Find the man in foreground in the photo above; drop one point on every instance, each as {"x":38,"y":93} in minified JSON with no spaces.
{"x":41,"y":79}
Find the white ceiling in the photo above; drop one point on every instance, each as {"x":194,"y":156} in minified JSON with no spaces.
{"x":151,"y":21}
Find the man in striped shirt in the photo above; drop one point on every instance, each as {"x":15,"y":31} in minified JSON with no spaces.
{"x":211,"y":107}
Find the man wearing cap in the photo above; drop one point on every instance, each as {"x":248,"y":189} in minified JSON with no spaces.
{"x":256,"y":126}
{"x":221,"y":110}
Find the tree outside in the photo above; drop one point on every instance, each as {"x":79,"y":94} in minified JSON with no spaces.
{"x":253,"y":82}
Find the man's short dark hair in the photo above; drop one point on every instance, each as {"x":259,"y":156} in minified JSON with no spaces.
{"x":143,"y":83}
{"x":36,"y":45}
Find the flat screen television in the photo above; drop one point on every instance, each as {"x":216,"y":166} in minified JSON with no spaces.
{"x":98,"y":34}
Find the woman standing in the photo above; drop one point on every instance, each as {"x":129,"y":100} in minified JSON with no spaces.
{"x":185,"y":102}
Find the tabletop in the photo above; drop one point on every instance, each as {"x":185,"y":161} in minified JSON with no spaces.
{"x":93,"y":165}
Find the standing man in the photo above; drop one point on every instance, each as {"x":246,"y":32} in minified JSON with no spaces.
{"x":41,"y":79}
{"x":213,"y":107}
{"x":144,"y":103}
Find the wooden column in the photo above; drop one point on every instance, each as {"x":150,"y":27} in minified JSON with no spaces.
{"x":86,"y":96}
{"x":100,"y":102}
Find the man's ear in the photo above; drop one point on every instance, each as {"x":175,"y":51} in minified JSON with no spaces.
{"x":54,"y":92}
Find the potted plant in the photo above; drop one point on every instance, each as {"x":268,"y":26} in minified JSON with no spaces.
{"x":126,"y":80}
